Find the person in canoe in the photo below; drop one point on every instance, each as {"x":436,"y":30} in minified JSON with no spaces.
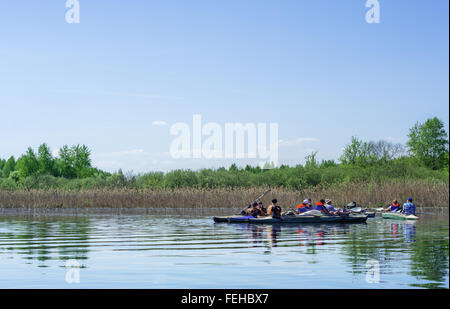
{"x":409,"y":208}
{"x":304,"y":207}
{"x":329,"y":207}
{"x":258,"y":211}
{"x":252,"y":210}
{"x":320,"y":206}
{"x":394,"y":207}
{"x":274,"y":210}
{"x":262,"y":210}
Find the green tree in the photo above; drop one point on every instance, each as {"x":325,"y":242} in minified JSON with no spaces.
{"x":2,"y":164}
{"x":311,"y":160}
{"x":46,"y":161}
{"x":65,"y":162}
{"x":9,"y":167}
{"x":27,"y":165}
{"x":81,"y":161}
{"x":268,"y":165}
{"x":328,"y":163}
{"x":355,"y":153}
{"x":446,"y":160}
{"x":428,"y":142}
{"x":233,"y":168}
{"x":14,"y":175}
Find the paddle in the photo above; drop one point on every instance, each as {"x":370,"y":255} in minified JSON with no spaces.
{"x":264,"y":194}
{"x":259,"y":198}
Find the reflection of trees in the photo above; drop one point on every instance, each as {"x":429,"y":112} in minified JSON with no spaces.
{"x":46,"y":239}
{"x":429,"y":257}
{"x":76,"y":233}
{"x":369,"y":242}
{"x":428,"y":248}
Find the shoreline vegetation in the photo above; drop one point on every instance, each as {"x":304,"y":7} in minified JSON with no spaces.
{"x":370,"y":173}
{"x":429,"y":194}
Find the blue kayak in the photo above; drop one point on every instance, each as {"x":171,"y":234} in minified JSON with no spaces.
{"x":300,"y":219}
{"x":240,"y":219}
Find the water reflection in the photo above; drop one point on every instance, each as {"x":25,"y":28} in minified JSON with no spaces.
{"x":46,"y":239}
{"x":430,"y":255}
{"x":381,"y":240}
{"x":418,"y":250}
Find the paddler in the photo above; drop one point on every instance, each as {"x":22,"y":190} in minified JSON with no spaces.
{"x":252,"y":210}
{"x":409,"y":208}
{"x":262,"y":210}
{"x":257,"y":211}
{"x":304,"y":207}
{"x":394,"y":207}
{"x":320,"y":206}
{"x":274,"y":210}
{"x":329,"y":207}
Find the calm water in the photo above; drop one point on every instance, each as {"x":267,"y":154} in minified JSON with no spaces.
{"x":162,"y":252}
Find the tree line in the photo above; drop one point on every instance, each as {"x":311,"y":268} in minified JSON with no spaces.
{"x":72,"y":162}
{"x":425,"y":156}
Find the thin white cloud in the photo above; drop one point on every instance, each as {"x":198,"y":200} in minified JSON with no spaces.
{"x":297,"y":141}
{"x":159,"y":123}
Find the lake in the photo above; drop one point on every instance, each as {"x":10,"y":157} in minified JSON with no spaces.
{"x":143,"y":251}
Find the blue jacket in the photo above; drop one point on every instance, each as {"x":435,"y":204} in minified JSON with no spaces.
{"x":320,"y":207}
{"x":409,"y":209}
{"x":304,"y":209}
{"x":330,"y":208}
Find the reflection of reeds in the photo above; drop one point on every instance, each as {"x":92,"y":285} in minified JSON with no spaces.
{"x":369,"y":195}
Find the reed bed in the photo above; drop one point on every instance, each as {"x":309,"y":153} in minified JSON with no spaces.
{"x":425,"y":194}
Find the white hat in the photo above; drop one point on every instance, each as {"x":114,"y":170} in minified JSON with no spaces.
{"x":305,"y":202}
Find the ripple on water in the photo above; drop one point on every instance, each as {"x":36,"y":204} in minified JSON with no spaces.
{"x":150,"y":251}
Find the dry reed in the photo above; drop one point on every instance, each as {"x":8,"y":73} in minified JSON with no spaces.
{"x":369,"y":195}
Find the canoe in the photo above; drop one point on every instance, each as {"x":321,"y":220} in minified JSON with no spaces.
{"x":370,"y":214}
{"x":360,"y":218}
{"x":398,"y":216}
{"x":296,"y":219}
{"x":240,"y":219}
{"x":224,"y":218}
{"x":300,"y":219}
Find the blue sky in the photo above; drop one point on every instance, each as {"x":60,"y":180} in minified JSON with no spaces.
{"x":315,"y":67}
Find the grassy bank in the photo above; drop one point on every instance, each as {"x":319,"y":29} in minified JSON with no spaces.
{"x":370,"y":194}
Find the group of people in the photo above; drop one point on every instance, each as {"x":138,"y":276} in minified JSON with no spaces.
{"x":408,"y":208}
{"x":325,"y":206}
{"x":257,"y":209}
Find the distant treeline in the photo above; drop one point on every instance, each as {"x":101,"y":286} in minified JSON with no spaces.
{"x":424,"y":157}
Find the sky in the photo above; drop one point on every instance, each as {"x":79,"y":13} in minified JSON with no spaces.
{"x":118,"y":80}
